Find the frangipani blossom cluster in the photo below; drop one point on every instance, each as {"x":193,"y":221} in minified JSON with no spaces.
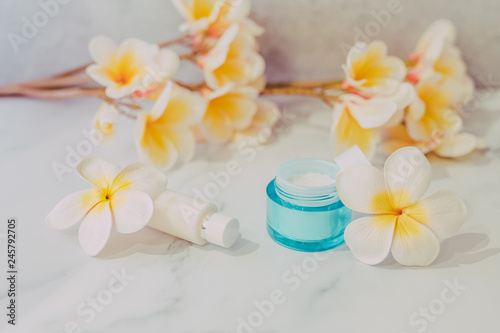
{"x":383,"y":103}
{"x":225,"y":107}
{"x":401,"y":222}
{"x":422,"y":98}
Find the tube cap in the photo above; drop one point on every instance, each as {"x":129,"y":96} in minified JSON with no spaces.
{"x":352,"y":155}
{"x":222,"y":230}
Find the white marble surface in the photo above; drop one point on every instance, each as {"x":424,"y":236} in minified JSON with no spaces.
{"x":181,"y":288}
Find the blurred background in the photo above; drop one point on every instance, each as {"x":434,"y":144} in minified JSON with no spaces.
{"x":304,"y":39}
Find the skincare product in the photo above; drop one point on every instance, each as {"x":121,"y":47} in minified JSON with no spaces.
{"x":304,"y":211}
{"x":192,"y":219}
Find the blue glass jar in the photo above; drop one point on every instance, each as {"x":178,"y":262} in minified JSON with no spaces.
{"x":306,"y":217}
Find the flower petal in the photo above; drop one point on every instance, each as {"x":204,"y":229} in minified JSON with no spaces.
{"x":442,"y":212}
{"x":268,"y":113}
{"x":404,"y":95}
{"x":139,"y":177}
{"x":370,"y":237}
{"x":240,"y":107}
{"x":131,"y":210}
{"x":166,"y":63}
{"x":387,"y":78}
{"x":407,"y":176}
{"x":119,"y":90}
{"x":252,"y":27}
{"x":433,"y":40}
{"x":105,"y":118}
{"x":232,"y":60}
{"x":184,"y":142}
{"x":183,"y":9}
{"x":263,"y":121}
{"x":139,"y":51}
{"x":457,"y":145}
{"x":257,"y":65}
{"x":95,"y":228}
{"x":346,"y":133}
{"x":439,"y":96}
{"x":361,"y":187}
{"x":98,"y":172}
{"x":239,"y":69}
{"x":373,"y":113}
{"x":371,"y":70}
{"x":162,"y":102}
{"x":153,"y":145}
{"x":216,"y":127}
{"x":243,"y":42}
{"x":468,"y":89}
{"x":195,"y":27}
{"x":413,"y":244}
{"x":235,"y":11}
{"x":450,"y":64}
{"x":218,"y":54}
{"x":100,"y":75}
{"x":396,"y":119}
{"x":416,"y":109}
{"x":446,"y":121}
{"x":72,"y":208}
{"x":184,"y":108}
{"x":102,"y":50}
{"x":398,"y":132}
{"x":395,"y":138}
{"x":259,"y":83}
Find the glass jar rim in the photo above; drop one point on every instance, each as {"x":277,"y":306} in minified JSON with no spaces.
{"x":312,"y":196}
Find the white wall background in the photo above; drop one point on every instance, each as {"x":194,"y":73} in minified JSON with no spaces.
{"x":302,"y":41}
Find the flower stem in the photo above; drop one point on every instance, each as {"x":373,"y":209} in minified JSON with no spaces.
{"x":119,"y":103}
{"x":294,"y":89}
{"x":330,"y":84}
{"x":125,"y":112}
{"x":59,"y":81}
{"x":71,"y":71}
{"x":19,"y":90}
{"x":179,"y":40}
{"x":192,"y":87}
{"x":188,"y":56}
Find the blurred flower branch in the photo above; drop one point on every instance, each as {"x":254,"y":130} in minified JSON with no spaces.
{"x":416,"y":102}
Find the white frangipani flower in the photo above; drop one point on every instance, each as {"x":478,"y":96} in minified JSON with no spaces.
{"x":370,"y":70}
{"x":120,"y":197}
{"x":133,"y":66}
{"x":402,"y":222}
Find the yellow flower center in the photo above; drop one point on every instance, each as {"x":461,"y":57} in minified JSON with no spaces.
{"x":381,"y":203}
{"x":123,"y":70}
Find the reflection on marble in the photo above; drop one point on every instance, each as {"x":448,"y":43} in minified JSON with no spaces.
{"x":152,"y":282}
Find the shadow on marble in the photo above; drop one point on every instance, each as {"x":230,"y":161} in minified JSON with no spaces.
{"x":150,"y":241}
{"x":460,"y":250}
{"x":146,"y":241}
{"x":296,"y":110}
{"x":464,"y":249}
{"x":242,"y":247}
{"x":477,"y":158}
{"x":481,"y":119}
